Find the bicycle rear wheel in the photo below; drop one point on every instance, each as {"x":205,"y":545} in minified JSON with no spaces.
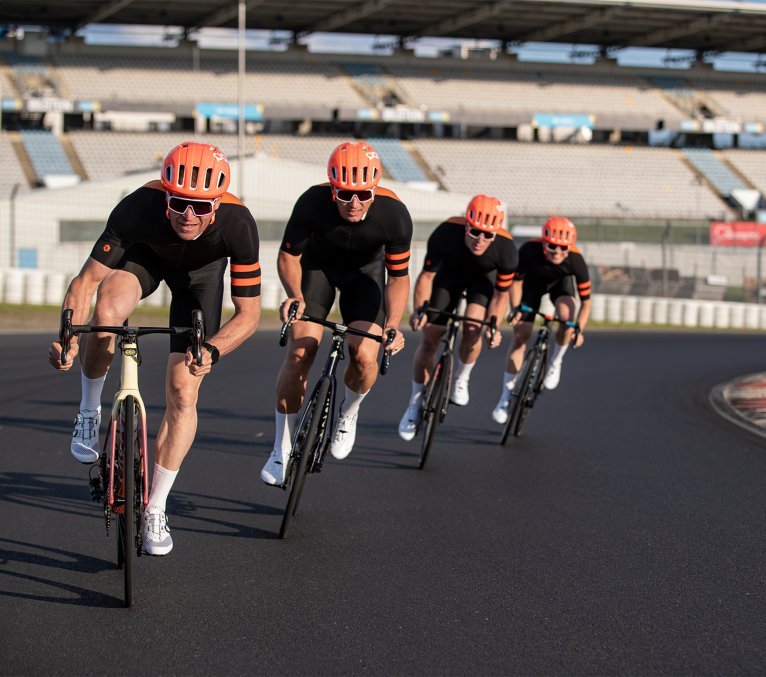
{"x":308,"y":437}
{"x":125,"y":450}
{"x":433,"y":406}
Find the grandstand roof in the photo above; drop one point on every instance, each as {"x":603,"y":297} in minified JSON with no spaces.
{"x":703,"y":25}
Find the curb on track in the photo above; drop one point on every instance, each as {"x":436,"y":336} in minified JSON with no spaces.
{"x":743,"y":402}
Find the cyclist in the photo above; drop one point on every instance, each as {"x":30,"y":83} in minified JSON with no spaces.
{"x":180,"y":229}
{"x":552,"y":265}
{"x":472,"y":253}
{"x":353,"y":236}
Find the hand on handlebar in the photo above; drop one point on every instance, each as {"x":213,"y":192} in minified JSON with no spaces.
{"x":395,"y":344}
{"x":284,"y":309}
{"x":56,"y":354}
{"x":493,"y":337}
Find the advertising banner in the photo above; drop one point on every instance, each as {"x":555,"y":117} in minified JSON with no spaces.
{"x":737,"y":233}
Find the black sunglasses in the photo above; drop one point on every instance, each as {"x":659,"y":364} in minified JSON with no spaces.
{"x":343,"y":195}
{"x":554,"y":247}
{"x":475,"y":233}
{"x":179,"y":205}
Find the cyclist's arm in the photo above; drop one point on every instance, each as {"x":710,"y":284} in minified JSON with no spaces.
{"x":239,"y":328}
{"x":79,"y":297}
{"x":291,"y":275}
{"x":397,"y":291}
{"x":498,"y":304}
{"x":515,"y":293}
{"x":583,"y":315}
{"x":424,"y":286}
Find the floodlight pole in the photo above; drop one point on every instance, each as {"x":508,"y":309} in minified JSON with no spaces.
{"x":241,"y":103}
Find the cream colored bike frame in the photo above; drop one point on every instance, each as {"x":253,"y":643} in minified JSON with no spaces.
{"x":129,"y":386}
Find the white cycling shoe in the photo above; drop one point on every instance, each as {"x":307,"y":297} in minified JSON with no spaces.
{"x":85,"y":436}
{"x":408,"y":426}
{"x":156,"y":534}
{"x":553,"y":377}
{"x":345,"y":434}
{"x":274,"y":471}
{"x":500,"y":412}
{"x":459,"y":393}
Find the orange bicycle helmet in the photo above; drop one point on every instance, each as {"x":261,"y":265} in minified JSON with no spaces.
{"x":196,"y":171}
{"x":354,"y":166}
{"x":485,"y":213}
{"x":559,"y":230}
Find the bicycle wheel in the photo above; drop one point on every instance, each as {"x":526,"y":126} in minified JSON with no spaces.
{"x":305,"y":444}
{"x":518,"y":397}
{"x":433,"y":405}
{"x":527,"y":399}
{"x":125,"y":446}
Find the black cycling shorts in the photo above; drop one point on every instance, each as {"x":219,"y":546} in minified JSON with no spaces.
{"x":532,"y":292}
{"x":361,"y":291}
{"x":201,"y":288}
{"x":445,"y":294}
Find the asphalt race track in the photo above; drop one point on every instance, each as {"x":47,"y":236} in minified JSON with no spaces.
{"x":623,"y":534}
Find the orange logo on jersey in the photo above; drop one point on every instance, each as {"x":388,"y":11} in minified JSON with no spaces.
{"x":287,"y":245}
{"x":107,"y":248}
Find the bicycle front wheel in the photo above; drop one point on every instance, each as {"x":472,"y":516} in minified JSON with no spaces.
{"x":527,"y":398}
{"x":518,"y":398}
{"x":125,"y":468}
{"x":433,"y":407}
{"x":306,"y":443}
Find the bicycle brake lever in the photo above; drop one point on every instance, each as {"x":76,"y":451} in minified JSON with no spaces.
{"x":386,"y":361}
{"x":286,"y":326}
{"x":65,"y":333}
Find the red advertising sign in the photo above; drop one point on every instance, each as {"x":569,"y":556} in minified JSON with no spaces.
{"x":737,"y":233}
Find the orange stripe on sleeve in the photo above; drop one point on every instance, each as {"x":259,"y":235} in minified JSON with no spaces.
{"x":245,"y":268}
{"x":246,"y":281}
{"x":397,"y":257}
{"x":397,"y":266}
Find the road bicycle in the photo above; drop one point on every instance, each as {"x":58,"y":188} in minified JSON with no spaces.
{"x":120,"y":478}
{"x":312,"y":435}
{"x":529,"y":382}
{"x":436,"y":393}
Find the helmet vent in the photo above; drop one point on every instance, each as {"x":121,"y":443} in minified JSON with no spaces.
{"x":221,"y":179}
{"x":194,"y":178}
{"x":208,"y":178}
{"x":181,"y":172}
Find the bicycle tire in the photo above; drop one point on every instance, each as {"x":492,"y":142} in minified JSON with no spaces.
{"x":125,"y":455}
{"x":518,"y":396}
{"x":432,"y":409}
{"x":528,"y":398}
{"x":307,"y":437}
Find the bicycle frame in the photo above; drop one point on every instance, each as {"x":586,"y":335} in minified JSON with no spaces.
{"x":131,"y":359}
{"x":529,"y":381}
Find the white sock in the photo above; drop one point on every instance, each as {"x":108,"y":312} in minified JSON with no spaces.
{"x":162,"y":483}
{"x":285,"y":428}
{"x":557,"y":352}
{"x":462,"y":372}
{"x":509,"y":380}
{"x":351,"y":402}
{"x":91,"y":392}
{"x":417,"y":392}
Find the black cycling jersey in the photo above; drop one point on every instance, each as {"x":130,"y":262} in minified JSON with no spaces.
{"x":318,"y":231}
{"x":448,"y":256}
{"x":139,"y":239}
{"x":140,"y":218}
{"x":535,"y":268}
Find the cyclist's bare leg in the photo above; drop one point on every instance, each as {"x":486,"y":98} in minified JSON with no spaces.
{"x":293,"y":375}
{"x":179,"y":425}
{"x":362,"y":370}
{"x":470,"y":344}
{"x":425,"y":355}
{"x":118,"y":296}
{"x":565,"y":311}
{"x":521,"y":333}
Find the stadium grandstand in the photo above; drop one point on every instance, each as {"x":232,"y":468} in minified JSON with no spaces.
{"x":653,"y":163}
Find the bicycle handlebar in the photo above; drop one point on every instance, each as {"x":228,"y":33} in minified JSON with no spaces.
{"x":548,"y":318}
{"x":426,"y":308}
{"x":343,"y":329}
{"x":196,"y":332}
